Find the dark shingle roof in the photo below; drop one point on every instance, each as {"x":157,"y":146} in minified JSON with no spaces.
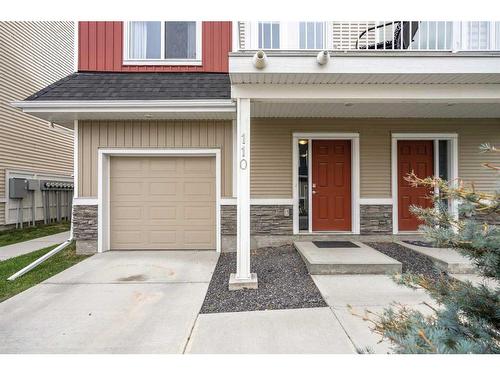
{"x":137,"y":86}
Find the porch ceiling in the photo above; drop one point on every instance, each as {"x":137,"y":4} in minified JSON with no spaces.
{"x":379,"y":110}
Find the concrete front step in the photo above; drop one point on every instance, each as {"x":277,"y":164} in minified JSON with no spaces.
{"x":345,"y":260}
{"x":445,"y":259}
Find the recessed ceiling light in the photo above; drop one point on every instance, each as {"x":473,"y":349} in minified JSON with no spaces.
{"x":147,"y":115}
{"x":303,"y":142}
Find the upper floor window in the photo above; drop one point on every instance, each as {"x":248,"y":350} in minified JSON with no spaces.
{"x":269,"y":35}
{"x":168,"y":43}
{"x":311,"y":35}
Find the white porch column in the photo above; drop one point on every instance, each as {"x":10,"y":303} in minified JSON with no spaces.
{"x":243,"y":278}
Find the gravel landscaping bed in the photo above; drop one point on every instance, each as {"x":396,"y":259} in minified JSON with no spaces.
{"x":412,"y":261}
{"x":284,"y":283}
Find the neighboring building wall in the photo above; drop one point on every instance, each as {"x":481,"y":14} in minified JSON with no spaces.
{"x":100,"y":48}
{"x":93,"y":135}
{"x":271,"y":150}
{"x":32,"y":56}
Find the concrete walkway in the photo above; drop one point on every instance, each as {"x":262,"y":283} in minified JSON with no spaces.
{"x":366,"y":292}
{"x":14,"y":250}
{"x":116,"y":302}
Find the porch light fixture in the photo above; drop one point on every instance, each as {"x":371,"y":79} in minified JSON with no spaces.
{"x":303,"y":142}
{"x":259,"y":60}
{"x":323,"y":57}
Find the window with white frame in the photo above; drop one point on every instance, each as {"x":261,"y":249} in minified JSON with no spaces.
{"x":162,"y":42}
{"x":311,"y":35}
{"x":269,"y":35}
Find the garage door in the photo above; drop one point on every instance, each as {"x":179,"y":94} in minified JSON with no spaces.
{"x":162,"y":203}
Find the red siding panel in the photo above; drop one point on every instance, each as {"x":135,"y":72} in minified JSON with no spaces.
{"x":100,"y":48}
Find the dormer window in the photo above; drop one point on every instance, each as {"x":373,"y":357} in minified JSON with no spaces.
{"x":162,"y":43}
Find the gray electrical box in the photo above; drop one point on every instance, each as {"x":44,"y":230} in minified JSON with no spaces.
{"x":18,"y":188}
{"x":33,"y":184}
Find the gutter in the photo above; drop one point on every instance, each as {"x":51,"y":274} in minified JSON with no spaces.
{"x":215,"y":105}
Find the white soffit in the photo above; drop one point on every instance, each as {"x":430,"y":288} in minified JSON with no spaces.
{"x":380,"y":110}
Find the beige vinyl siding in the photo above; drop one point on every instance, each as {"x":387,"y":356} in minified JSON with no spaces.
{"x":93,"y":135}
{"x":32,"y":56}
{"x":271,"y":150}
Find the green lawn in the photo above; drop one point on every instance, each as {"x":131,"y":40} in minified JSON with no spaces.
{"x":50,"y":267}
{"x":10,"y":236}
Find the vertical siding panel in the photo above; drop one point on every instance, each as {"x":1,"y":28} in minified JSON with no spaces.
{"x":153,"y":134}
{"x":161,"y":134}
{"x":94,"y":148}
{"x":117,"y":45}
{"x":112,"y":134}
{"x":203,"y":134}
{"x":120,"y":134}
{"x":170,"y":134}
{"x":145,"y":133}
{"x":178,"y":136}
{"x":186,"y":134}
{"x":136,"y":134}
{"x":101,"y":46}
{"x":109,"y":46}
{"x":83,"y":46}
{"x":92,"y":51}
{"x":128,"y":134}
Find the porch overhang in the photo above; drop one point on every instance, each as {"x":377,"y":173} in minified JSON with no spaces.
{"x":66,"y":112}
{"x":370,"y":100}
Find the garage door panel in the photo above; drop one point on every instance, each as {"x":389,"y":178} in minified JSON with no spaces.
{"x":168,"y":204}
{"x":168,"y":188}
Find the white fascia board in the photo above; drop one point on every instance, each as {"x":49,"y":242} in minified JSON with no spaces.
{"x":370,"y":93}
{"x":73,"y":106}
{"x":369,"y":63}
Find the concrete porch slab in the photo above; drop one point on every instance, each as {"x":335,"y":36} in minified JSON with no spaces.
{"x":314,"y":330}
{"x":357,"y":260}
{"x":445,"y":259}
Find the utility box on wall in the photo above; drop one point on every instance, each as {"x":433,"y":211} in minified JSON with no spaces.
{"x":18,"y":188}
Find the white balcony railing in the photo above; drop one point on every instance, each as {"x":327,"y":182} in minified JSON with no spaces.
{"x":371,"y":36}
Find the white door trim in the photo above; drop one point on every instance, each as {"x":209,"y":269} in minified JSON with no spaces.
{"x":452,"y":137}
{"x":355,"y":176}
{"x":103,"y":212}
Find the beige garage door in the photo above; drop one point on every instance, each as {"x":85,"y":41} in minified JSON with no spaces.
{"x":162,"y":203}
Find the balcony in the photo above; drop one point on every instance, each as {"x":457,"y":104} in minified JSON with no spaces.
{"x":370,"y":36}
{"x":374,"y":52}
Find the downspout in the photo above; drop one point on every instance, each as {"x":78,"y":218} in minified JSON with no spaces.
{"x":44,"y":257}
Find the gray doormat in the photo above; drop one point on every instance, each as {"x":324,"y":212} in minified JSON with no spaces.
{"x":334,"y":244}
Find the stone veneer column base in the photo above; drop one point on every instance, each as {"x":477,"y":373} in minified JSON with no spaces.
{"x":85,"y":228}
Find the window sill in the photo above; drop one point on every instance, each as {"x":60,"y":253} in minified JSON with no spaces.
{"x":164,"y":62}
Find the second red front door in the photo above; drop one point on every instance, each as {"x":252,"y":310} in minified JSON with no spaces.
{"x":331,"y":185}
{"x":416,"y":156}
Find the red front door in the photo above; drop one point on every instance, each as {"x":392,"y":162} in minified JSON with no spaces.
{"x":331,"y":185}
{"x":417,"y":156}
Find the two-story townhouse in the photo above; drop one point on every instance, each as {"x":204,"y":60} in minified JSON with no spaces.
{"x":32,"y":56}
{"x":227,"y":136}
